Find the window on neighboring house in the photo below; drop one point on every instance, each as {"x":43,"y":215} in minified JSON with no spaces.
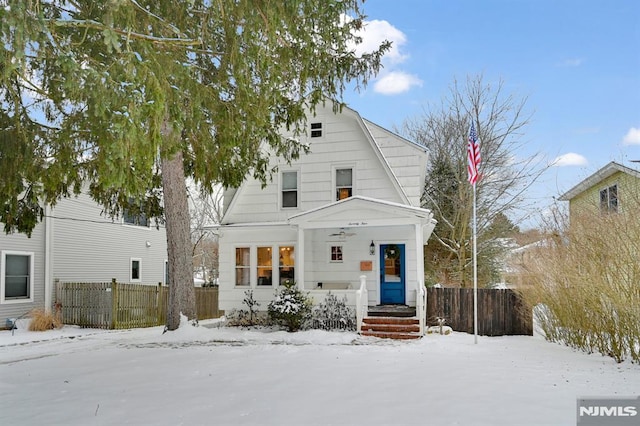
{"x":344,"y":183}
{"x":129,"y":218}
{"x":17,"y":276}
{"x":287,"y":262}
{"x":290,"y":189}
{"x":609,"y":199}
{"x":243,"y":264}
{"x":336,"y":254}
{"x":316,"y":130}
{"x":136,"y":270}
{"x":265,"y":266}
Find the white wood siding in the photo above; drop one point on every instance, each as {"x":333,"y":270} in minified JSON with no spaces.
{"x":35,"y":245}
{"x":407,"y":160}
{"x":343,"y":143}
{"x":89,"y":247}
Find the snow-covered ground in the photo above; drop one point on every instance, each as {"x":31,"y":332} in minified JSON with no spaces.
{"x":225,"y":376}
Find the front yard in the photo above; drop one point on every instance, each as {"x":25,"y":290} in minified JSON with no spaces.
{"x":227,"y":376}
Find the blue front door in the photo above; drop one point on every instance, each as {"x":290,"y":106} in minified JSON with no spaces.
{"x":392,"y":274}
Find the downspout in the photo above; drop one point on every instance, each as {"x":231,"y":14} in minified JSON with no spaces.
{"x":48,"y":261}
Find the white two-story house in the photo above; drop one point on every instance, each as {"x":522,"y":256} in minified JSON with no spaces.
{"x":345,"y":215}
{"x":76,"y":243}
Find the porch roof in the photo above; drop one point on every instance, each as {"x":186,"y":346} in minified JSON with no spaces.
{"x":358,"y":211}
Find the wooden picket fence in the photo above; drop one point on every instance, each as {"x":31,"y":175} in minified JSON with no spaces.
{"x":116,"y":305}
{"x":500,"y":311}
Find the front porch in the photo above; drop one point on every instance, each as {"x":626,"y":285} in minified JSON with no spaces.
{"x":385,"y":321}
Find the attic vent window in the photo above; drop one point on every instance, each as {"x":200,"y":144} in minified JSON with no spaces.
{"x":316,"y":130}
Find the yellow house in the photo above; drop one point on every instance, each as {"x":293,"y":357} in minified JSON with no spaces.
{"x":612,"y":189}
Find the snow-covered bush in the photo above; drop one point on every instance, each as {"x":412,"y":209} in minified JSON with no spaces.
{"x":290,"y":308}
{"x":334,"y":314}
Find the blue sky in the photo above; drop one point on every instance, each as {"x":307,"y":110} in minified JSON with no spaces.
{"x":577,"y":62}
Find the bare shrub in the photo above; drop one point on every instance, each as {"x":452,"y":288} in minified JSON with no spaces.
{"x":43,"y":321}
{"x":588,"y":280}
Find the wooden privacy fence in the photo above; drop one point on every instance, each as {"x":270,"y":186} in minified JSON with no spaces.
{"x":500,"y":311}
{"x":115,"y":305}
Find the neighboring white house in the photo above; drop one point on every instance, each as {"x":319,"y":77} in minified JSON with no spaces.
{"x":76,"y":243}
{"x":348,"y":209}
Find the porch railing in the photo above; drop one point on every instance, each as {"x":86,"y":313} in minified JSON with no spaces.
{"x":362,"y":302}
{"x":421,"y":306}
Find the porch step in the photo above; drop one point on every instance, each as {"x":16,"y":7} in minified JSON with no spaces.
{"x":391,"y":327}
{"x":392,"y":311}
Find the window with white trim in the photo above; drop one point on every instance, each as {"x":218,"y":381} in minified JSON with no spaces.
{"x":135,"y":274}
{"x":609,"y":200}
{"x":335,"y":254}
{"x":344,"y":183}
{"x":16,"y":276}
{"x":243,"y":266}
{"x":287,"y":263}
{"x":290,"y":189}
{"x":134,"y":220}
{"x":316,"y":130}
{"x":265,"y":266}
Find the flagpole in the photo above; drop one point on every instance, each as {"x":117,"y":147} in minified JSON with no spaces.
{"x":475,"y":271}
{"x":473,"y":157}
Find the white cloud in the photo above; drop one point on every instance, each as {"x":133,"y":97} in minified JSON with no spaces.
{"x":396,"y":82}
{"x":569,"y":159}
{"x":375,"y":32}
{"x":632,"y":137}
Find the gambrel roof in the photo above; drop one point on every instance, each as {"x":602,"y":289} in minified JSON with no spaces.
{"x":399,"y":165}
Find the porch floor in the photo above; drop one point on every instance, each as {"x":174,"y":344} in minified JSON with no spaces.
{"x":402,"y":311}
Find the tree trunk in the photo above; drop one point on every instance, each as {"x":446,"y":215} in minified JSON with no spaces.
{"x":182,"y":296}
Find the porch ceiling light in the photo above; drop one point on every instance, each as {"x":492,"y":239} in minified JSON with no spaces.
{"x":372,"y":248}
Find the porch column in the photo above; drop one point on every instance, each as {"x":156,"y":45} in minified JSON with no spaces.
{"x":420,"y":252}
{"x":300,"y":259}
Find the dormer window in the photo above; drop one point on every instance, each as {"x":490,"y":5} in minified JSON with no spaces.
{"x":316,"y":130}
{"x":609,"y":200}
{"x":344,"y":183}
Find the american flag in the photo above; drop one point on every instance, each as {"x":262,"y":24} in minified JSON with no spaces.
{"x":473,"y":155}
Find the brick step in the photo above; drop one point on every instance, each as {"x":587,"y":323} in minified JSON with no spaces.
{"x":404,"y":328}
{"x":391,"y":327}
{"x":390,"y":320}
{"x":391,"y":335}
